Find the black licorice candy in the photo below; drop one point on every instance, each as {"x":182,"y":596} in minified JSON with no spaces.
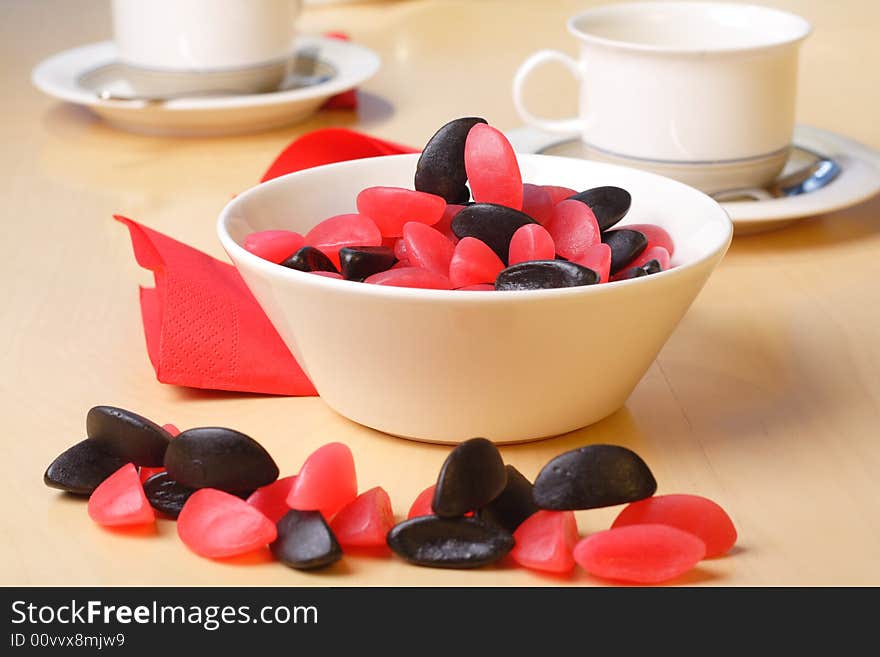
{"x":360,"y":262}
{"x":305,"y":541}
{"x":125,"y":434}
{"x":449,"y":542}
{"x":440,"y":169}
{"x":217,"y":457}
{"x":545,"y":275}
{"x":625,"y":245}
{"x":609,"y":204}
{"x":81,"y":468}
{"x":308,"y":258}
{"x":490,"y":223}
{"x":513,"y":505}
{"x":592,"y":477}
{"x":472,"y":475}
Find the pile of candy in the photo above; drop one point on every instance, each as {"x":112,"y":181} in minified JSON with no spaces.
{"x":224,"y":490}
{"x":514,"y":236}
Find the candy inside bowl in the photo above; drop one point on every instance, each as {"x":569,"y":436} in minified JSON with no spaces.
{"x":446,"y":365}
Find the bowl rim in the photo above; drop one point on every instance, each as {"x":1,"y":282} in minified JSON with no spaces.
{"x":236,"y":251}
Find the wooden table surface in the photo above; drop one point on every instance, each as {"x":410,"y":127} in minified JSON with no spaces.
{"x":766,"y":399}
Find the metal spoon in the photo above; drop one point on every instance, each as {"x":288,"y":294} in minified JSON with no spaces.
{"x":803,"y":181}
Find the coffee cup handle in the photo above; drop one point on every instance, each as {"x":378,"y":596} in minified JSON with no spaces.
{"x":526,"y":68}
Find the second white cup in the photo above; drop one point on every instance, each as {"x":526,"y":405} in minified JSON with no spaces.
{"x":699,"y":91}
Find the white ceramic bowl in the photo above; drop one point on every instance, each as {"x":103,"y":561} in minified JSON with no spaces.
{"x":445,"y":366}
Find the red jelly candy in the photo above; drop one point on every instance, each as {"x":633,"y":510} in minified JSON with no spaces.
{"x":400,"y":251}
{"x":691,"y":513}
{"x":119,"y":500}
{"x":657,"y":253}
{"x":537,"y":203}
{"x":271,"y":500}
{"x":473,"y":262}
{"x":410,"y":277}
{"x":531,"y":242}
{"x":366,"y":521}
{"x":327,"y":274}
{"x":642,"y":554}
{"x":656,"y":236}
{"x":173,"y":430}
{"x":545,"y":540}
{"x":492,"y":169}
{"x":574,"y":228}
{"x":145,"y":473}
{"x":392,"y":207}
{"x":445,"y":223}
{"x":343,"y":230}
{"x":557,"y":193}
{"x":421,"y":506}
{"x":215,"y":524}
{"x":479,"y":287}
{"x":427,"y":248}
{"x":274,"y":245}
{"x":326,"y":482}
{"x":597,"y":258}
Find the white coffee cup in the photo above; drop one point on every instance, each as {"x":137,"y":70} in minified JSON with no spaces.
{"x":251,"y":39}
{"x":699,"y":91}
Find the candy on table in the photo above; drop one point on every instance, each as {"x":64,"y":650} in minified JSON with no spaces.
{"x":545,"y":274}
{"x":326,"y":482}
{"x":440,"y":169}
{"x":172,"y":429}
{"x":591,"y":477}
{"x":545,"y":541}
{"x":427,"y":248}
{"x":360,"y":262}
{"x":215,"y":524}
{"x":640,"y":554}
{"x":127,"y":435}
{"x":492,"y":167}
{"x":691,"y":513}
{"x":392,"y":207}
{"x":81,"y":468}
{"x":273,"y":245}
{"x":411,"y":277}
{"x":271,"y":499}
{"x":625,"y":245}
{"x":573,"y":228}
{"x":310,"y":259}
{"x":609,"y":204}
{"x":217,"y":457}
{"x":421,"y":506}
{"x":343,"y":230}
{"x":166,"y":495}
{"x":365,"y":521}
{"x":538,"y":203}
{"x":490,"y":223}
{"x":472,"y":475}
{"x":473,"y":263}
{"x":513,"y":505}
{"x":531,"y":242}
{"x":119,"y":500}
{"x":449,"y":542}
{"x":305,"y":541}
{"x":597,"y":258}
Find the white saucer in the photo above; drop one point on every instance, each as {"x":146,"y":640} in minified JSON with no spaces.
{"x":60,"y":76}
{"x":859,"y":178}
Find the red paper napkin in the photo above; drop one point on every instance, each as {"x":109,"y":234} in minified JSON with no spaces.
{"x":203,"y":327}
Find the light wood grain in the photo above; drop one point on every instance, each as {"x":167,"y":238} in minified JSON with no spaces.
{"x":766,"y":398}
